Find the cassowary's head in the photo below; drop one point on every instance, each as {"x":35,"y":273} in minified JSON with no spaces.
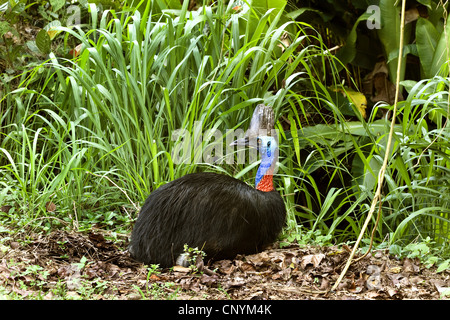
{"x":262,"y":136}
{"x":261,"y":128}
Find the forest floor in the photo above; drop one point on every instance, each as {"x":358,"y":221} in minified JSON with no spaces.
{"x":64,"y":265}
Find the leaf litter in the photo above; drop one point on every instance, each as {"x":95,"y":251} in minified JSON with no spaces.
{"x":63,"y":265}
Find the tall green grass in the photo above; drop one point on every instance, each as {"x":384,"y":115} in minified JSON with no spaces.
{"x":113,"y":112}
{"x":418,"y":188}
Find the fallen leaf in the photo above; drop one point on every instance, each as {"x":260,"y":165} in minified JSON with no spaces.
{"x":391,"y":292}
{"x":440,"y":285}
{"x":373,"y":295}
{"x":395,"y":269}
{"x":5,"y":209}
{"x":246,"y":266}
{"x":14,"y":245}
{"x":181,"y":269}
{"x":99,"y":240}
{"x":258,"y":259}
{"x":224,"y":266}
{"x":313,"y":259}
{"x":50,"y":206}
{"x":113,"y":270}
{"x":409,"y":266}
{"x":73,"y":282}
{"x":154,"y":277}
{"x":325,"y":284}
{"x":417,"y":280}
{"x":377,"y":85}
{"x":65,"y":271}
{"x":399,"y":280}
{"x":374,"y":282}
{"x":237,"y":282}
{"x":208,"y":280}
{"x":91,"y":273}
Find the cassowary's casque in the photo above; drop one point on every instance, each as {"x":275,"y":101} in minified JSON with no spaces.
{"x":218,"y":214}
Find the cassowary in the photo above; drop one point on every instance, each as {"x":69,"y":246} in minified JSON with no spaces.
{"x":216,"y":213}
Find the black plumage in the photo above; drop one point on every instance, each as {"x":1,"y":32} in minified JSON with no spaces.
{"x":219,"y":214}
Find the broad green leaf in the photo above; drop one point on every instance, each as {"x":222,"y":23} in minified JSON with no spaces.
{"x":53,"y":29}
{"x":296,"y":13}
{"x":43,"y":41}
{"x":426,"y":3}
{"x":443,"y":266}
{"x":427,"y":38}
{"x":407,"y":49}
{"x":376,"y":128}
{"x":389,"y":35}
{"x":4,"y":27}
{"x":366,"y":177}
{"x":439,"y":66}
{"x":408,"y":84}
{"x":57,"y":4}
{"x":348,"y":52}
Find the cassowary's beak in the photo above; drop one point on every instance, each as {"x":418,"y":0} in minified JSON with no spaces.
{"x":240,"y":142}
{"x":246,"y":142}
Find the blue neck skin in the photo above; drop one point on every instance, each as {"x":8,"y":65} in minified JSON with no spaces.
{"x":267,"y":159}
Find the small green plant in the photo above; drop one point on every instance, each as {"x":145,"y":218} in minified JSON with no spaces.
{"x":445,"y":265}
{"x":153,"y":270}
{"x":310,"y":237}
{"x":59,"y":290}
{"x":32,"y":281}
{"x":426,"y":251}
{"x":88,"y":288}
{"x":157,"y":290}
{"x":39,"y":276}
{"x":82,"y":264}
{"x":62,"y":244}
{"x":192,"y":256}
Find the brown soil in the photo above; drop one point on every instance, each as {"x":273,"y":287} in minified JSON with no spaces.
{"x":39,"y":268}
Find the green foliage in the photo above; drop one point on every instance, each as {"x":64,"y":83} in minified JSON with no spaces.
{"x":33,"y":283}
{"x":389,"y":35}
{"x":426,"y":251}
{"x":113,"y":112}
{"x":362,"y":44}
{"x":193,"y":254}
{"x":432,"y":47}
{"x":416,"y":194}
{"x":95,"y":133}
{"x":306,"y":238}
{"x":156,"y":290}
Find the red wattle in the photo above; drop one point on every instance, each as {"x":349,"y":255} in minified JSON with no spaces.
{"x":266,"y":183}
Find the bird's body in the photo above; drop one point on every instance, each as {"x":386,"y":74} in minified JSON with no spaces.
{"x":216,"y":213}
{"x":221,"y":215}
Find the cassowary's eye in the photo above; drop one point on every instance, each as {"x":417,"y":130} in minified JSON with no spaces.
{"x":268,"y":143}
